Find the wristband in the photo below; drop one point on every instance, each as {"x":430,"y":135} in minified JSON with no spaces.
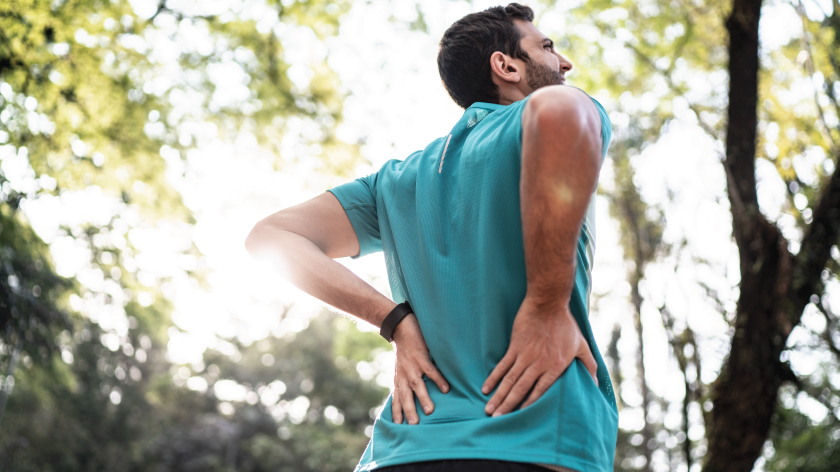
{"x":389,"y":324}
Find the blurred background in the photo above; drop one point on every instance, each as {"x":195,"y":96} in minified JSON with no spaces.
{"x":141,"y":140}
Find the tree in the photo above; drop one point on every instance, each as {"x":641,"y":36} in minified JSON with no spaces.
{"x":295,"y":403}
{"x":30,"y":294}
{"x":661,"y":52}
{"x":89,"y":100}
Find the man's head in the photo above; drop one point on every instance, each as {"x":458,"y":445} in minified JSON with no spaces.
{"x":498,"y":56}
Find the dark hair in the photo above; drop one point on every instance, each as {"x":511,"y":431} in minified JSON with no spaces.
{"x":465,"y":50}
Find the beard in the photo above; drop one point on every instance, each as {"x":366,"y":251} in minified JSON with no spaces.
{"x":540,"y":75}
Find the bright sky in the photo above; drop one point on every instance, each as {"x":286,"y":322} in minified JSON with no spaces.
{"x":398,"y":104}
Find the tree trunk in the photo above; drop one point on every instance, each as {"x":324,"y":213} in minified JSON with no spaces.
{"x":647,"y":431}
{"x":744,"y":395}
{"x":641,"y":239}
{"x":775,"y":285}
{"x":615,"y":370}
{"x":9,"y":381}
{"x":678,"y":345}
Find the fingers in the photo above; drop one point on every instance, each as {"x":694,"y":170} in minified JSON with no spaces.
{"x":585,"y":355}
{"x":419,"y":388}
{"x":510,"y":396}
{"x":517,"y":392}
{"x":407,"y":403}
{"x":501,"y":369}
{"x":396,"y":406}
{"x":543,"y":384}
{"x":402,"y":401}
{"x":433,"y":373}
{"x":505,"y":386}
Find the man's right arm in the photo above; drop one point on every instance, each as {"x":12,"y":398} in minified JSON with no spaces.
{"x":302,"y":241}
{"x":561,"y":159}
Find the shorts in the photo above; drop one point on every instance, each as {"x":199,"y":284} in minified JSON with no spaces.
{"x":465,"y":465}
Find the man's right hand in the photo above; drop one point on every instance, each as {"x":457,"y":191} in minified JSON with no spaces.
{"x":412,"y":362}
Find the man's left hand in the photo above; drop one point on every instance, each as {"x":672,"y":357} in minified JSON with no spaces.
{"x":544,"y":342}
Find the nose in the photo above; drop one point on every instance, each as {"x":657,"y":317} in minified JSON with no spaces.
{"x":565,"y":64}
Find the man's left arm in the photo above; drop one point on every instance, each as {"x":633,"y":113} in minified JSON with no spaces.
{"x":561,"y":159}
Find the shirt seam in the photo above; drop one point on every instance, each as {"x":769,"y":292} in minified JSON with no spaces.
{"x":351,"y":206}
{"x":356,"y":206}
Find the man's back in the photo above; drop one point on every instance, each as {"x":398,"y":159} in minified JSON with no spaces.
{"x":448,"y":219}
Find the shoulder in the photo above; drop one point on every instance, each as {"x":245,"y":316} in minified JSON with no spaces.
{"x":560,"y":100}
{"x":396,"y":170}
{"x":562,"y":105}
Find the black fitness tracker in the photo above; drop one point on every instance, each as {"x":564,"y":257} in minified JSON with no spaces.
{"x":393,"y":319}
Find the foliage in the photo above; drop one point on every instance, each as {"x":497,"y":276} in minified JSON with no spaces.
{"x":122,"y":410}
{"x":657,"y":64}
{"x":30,"y":293}
{"x":106,"y":95}
{"x":800,"y":443}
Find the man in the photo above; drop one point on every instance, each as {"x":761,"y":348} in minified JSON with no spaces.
{"x":485,"y":237}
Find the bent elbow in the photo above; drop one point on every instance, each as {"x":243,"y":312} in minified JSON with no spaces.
{"x":258,"y":237}
{"x":252,"y":240}
{"x":268,"y":234}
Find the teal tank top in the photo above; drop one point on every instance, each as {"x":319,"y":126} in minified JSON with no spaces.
{"x":448,"y":220}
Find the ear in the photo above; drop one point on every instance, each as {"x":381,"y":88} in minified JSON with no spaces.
{"x":505,"y":68}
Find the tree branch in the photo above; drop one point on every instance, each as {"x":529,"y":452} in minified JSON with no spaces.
{"x":809,"y":68}
{"x":742,"y":118}
{"x":808,"y":389}
{"x":830,"y":325}
{"x":160,"y":8}
{"x":738,"y":207}
{"x":821,"y":234}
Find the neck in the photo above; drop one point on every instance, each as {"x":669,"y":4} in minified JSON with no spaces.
{"x":508,"y":95}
